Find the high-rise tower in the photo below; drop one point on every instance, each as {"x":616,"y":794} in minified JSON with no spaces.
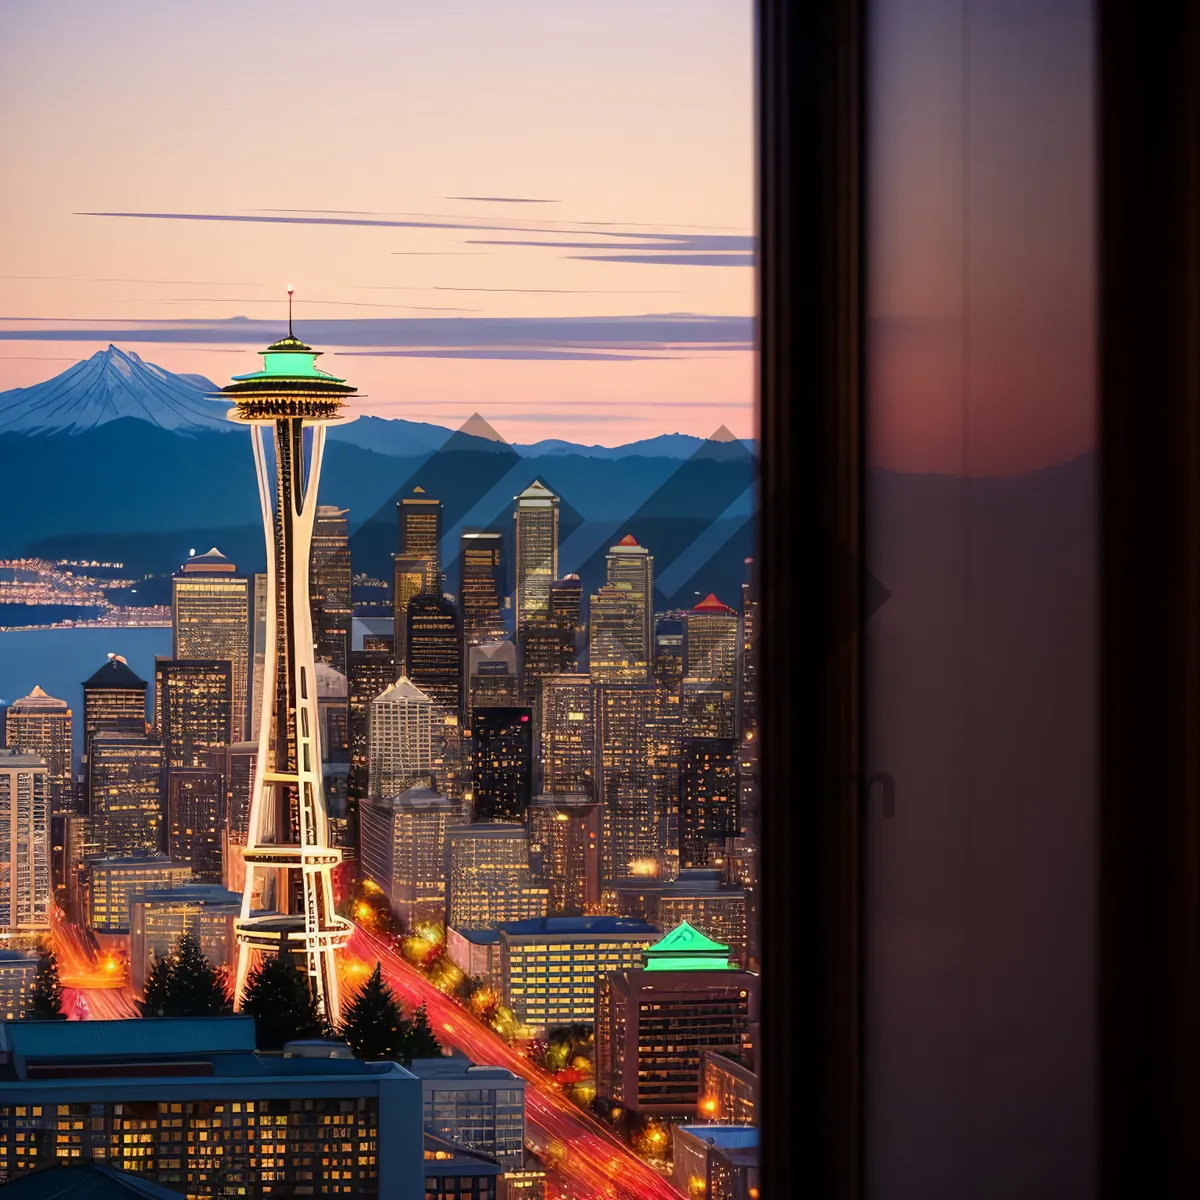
{"x":536,"y":518}
{"x":288,"y":857}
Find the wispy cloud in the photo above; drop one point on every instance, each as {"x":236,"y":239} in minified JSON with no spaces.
{"x":163,"y":282}
{"x":677,"y":260}
{"x":503,"y":353}
{"x":564,"y":291}
{"x":502,"y":199}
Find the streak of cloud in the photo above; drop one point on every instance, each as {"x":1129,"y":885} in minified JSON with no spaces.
{"x":678,"y":260}
{"x":503,"y":353}
{"x":502,"y":200}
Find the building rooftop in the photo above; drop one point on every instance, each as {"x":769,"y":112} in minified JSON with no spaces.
{"x":331,"y":683}
{"x":38,"y":701}
{"x":726,"y":1137}
{"x":139,"y":860}
{"x":536,"y":491}
{"x":85,"y":1181}
{"x":12,"y":956}
{"x":447,"y":1066}
{"x":18,"y":758}
{"x":577,"y":927}
{"x":402,"y":689}
{"x":686,"y":949}
{"x":479,"y":937}
{"x":115,"y":673}
{"x":193,"y":893}
{"x":420,"y":796}
{"x":212,"y":562}
{"x":710,"y":604}
{"x":448,"y":1158}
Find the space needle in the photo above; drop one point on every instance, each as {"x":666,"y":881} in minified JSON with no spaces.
{"x":287,"y":903}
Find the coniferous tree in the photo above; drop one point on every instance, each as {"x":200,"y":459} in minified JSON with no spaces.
{"x":156,"y":994}
{"x":420,"y":1042}
{"x":281,"y":1001}
{"x":45,"y":996}
{"x":197,"y":988}
{"x":373,"y":1024}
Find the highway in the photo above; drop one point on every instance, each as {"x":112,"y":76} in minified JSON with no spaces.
{"x":589,"y":1159}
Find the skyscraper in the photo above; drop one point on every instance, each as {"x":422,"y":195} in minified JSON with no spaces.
{"x":261,"y":604}
{"x":488,"y":878}
{"x":371,"y":672}
{"x":210,"y":608}
{"x":492,"y":679}
{"x":39,"y":724}
{"x":630,"y":563}
{"x":565,"y":835}
{"x":288,"y":857}
{"x":709,"y":708}
{"x":624,"y":713}
{"x":536,"y":518}
{"x":708,"y":797}
{"x":24,"y":842}
{"x":667,"y":663}
{"x":114,"y":694}
{"x":434,"y":662}
{"x":617,"y":635}
{"x":568,"y":735}
{"x":483,"y":593}
{"x":421,"y":534}
{"x":195,"y":816}
{"x":546,"y":648}
{"x":502,"y":763}
{"x":400,"y":740}
{"x":566,"y":602}
{"x":711,"y":642}
{"x":126,"y":776}
{"x":410,"y":577}
{"x":331,"y":585}
{"x":194,"y":702}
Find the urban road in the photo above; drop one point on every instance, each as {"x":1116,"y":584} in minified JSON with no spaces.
{"x":589,"y":1159}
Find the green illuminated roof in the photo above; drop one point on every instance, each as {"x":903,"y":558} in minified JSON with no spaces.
{"x":289,"y":358}
{"x":686,"y":949}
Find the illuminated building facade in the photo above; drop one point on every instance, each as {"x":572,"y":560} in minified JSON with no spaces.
{"x":483,"y":592}
{"x":371,"y":672}
{"x":698,"y":896}
{"x":264,"y":1126}
{"x":400,"y":739}
{"x":536,"y":518}
{"x":616,"y":635}
{"x":488,"y":879}
{"x":728,"y":1091}
{"x":421,"y":534}
{"x":711,"y":642}
{"x":403,"y":851}
{"x":288,"y":898}
{"x":330,"y":586}
{"x":667,"y":663}
{"x":24,"y":842}
{"x":565,"y":851}
{"x":193,"y":700}
{"x":410,"y":578}
{"x":160,"y":917}
{"x":18,"y":968}
{"x":546,"y":648}
{"x":502,"y":763}
{"x":568,"y":735}
{"x":114,"y":696}
{"x":492,"y":680}
{"x":113,"y":883}
{"x":708,"y":797}
{"x":210,"y":614}
{"x":333,"y":714}
{"x":39,"y":724}
{"x":652,"y":1024}
{"x":630,"y":563}
{"x":623,"y":717}
{"x":195,"y":819}
{"x":718,"y":1162}
{"x":482,"y":1108}
{"x":550,"y":966}
{"x":126,"y":780}
{"x":434,"y":655}
{"x":709,"y":709}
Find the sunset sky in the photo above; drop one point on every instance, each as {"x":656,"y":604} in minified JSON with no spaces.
{"x":456,"y":191}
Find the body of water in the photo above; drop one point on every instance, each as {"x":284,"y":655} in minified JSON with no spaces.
{"x":59,"y":660}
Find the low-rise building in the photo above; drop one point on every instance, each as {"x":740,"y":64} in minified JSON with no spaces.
{"x":479,"y":1107}
{"x":113,"y":882}
{"x":159,"y":918}
{"x":550,"y":966}
{"x":718,"y":1162}
{"x":17,"y":971}
{"x":698,"y":896}
{"x":488,"y":877}
{"x":456,"y":1173}
{"x":475,"y":952}
{"x":728,"y":1091}
{"x":190,"y":1104}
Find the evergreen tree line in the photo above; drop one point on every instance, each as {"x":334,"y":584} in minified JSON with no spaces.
{"x":281,"y":1000}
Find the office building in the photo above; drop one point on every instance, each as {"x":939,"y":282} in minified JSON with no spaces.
{"x":483,"y":593}
{"x":666,"y":665}
{"x":479,"y":1107}
{"x":259,"y":648}
{"x":567,"y":711}
{"x":627,"y":562}
{"x":80,"y":846}
{"x":434,"y":651}
{"x":550,"y":966}
{"x":371,"y":673}
{"x":711,"y":642}
{"x":453,"y":1172}
{"x":160,"y":917}
{"x":333,"y":714}
{"x":39,"y":724}
{"x":289,"y":857}
{"x":728,"y":1091}
{"x":126,"y":780}
{"x":718,"y":1162}
{"x":565,"y":835}
{"x":566,"y":603}
{"x":488,"y":880}
{"x":536,"y":518}
{"x":546,"y":648}
{"x":502,"y":763}
{"x":200,"y":1111}
{"x":421,"y":533}
{"x":238,"y":769}
{"x":329,"y":587}
{"x":708,"y":797}
{"x":196,"y":818}
{"x":698,"y":896}
{"x":114,"y":696}
{"x":653,"y":1023}
{"x":476,"y":953}
{"x":400,"y":745}
{"x":403,"y":851}
{"x":210,"y":612}
{"x":623,"y":717}
{"x":664,"y":738}
{"x":18,"y":968}
{"x":411,"y":577}
{"x":24,"y":842}
{"x":193,"y":699}
{"x":492,"y":679}
{"x":709,"y":709}
{"x":113,"y":883}
{"x":616,"y":635}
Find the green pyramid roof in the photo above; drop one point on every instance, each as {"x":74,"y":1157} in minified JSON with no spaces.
{"x":685,"y":948}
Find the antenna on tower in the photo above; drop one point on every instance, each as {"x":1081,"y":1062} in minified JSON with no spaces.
{"x":290,"y":333}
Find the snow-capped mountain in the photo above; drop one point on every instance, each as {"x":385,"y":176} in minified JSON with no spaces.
{"x":106,"y":387}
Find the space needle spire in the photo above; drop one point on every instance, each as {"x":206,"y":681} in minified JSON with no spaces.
{"x":288,"y":903}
